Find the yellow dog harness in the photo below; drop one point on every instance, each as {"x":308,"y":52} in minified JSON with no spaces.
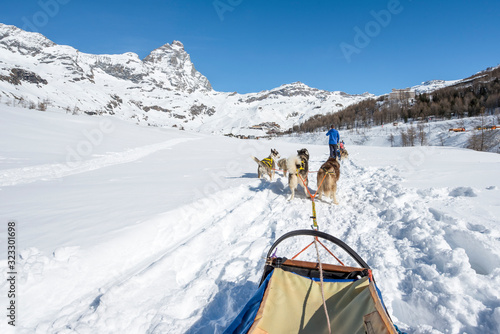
{"x":302,"y":165}
{"x":268,"y":161}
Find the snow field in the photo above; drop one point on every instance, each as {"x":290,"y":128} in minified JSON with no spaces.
{"x":161,"y":231}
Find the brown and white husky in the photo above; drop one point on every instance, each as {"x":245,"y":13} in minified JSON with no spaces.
{"x":328,"y":175}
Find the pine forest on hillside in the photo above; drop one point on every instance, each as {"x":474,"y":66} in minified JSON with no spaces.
{"x":474,"y":96}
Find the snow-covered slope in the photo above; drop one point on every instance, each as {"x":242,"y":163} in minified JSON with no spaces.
{"x":433,"y":133}
{"x":432,"y":85}
{"x":130,"y":229}
{"x":163,"y":89}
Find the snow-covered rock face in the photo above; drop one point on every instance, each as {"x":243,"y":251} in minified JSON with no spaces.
{"x":163,"y":89}
{"x":175,"y":63}
{"x":19,"y":41}
{"x":170,"y":60}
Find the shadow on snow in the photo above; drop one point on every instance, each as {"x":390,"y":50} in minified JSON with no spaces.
{"x":224,"y":307}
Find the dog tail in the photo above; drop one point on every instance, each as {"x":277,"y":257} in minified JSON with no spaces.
{"x":256,"y":160}
{"x":291,"y":164}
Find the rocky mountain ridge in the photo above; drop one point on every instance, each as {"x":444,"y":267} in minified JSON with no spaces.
{"x":163,"y":89}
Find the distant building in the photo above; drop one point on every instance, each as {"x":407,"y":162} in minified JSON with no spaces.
{"x":401,"y":94}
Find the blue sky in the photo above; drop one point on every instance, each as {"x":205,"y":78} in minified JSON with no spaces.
{"x":253,"y":45}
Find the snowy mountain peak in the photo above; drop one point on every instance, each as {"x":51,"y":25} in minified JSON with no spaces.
{"x":174,"y":61}
{"x":296,"y":84}
{"x":19,"y":41}
{"x":178,"y":44}
{"x":163,"y":89}
{"x":131,"y":55}
{"x":173,"y":54}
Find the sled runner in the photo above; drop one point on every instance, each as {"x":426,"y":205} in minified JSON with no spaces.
{"x":311,"y":297}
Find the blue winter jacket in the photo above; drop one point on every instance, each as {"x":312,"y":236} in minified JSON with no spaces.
{"x":334,"y":136}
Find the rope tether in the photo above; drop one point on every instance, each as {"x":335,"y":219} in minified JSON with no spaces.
{"x":321,"y":285}
{"x":316,"y":227}
{"x":315,"y":223}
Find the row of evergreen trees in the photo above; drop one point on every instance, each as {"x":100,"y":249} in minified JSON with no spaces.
{"x":474,"y":96}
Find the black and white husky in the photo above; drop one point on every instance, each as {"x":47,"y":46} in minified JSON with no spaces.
{"x":298,"y":168}
{"x":267,"y":165}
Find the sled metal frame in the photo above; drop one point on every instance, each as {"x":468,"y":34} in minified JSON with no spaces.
{"x":311,"y":269}
{"x":329,"y":271}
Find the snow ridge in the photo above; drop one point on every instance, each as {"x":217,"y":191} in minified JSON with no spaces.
{"x":163,"y":89}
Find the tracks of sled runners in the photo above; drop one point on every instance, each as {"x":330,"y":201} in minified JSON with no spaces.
{"x":230,"y":229}
{"x":76,"y":164}
{"x":203,"y":271}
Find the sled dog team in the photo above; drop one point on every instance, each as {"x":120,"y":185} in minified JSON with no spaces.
{"x":297,"y":168}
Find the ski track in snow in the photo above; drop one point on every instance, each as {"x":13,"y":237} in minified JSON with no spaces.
{"x":223,"y":216}
{"x":418,"y":257}
{"x":16,"y":176}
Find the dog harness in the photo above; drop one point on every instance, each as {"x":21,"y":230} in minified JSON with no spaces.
{"x":326,"y":171}
{"x":302,"y":164}
{"x":268,"y":161}
{"x":300,"y":167}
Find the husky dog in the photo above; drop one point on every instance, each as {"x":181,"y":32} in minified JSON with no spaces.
{"x":328,"y":175}
{"x":298,"y":167}
{"x":267,"y":165}
{"x":282,"y":166}
{"x":343,"y":154}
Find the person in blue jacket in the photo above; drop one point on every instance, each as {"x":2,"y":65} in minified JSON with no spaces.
{"x":333,"y":141}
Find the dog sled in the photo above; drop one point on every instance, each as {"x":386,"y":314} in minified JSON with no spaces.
{"x":303,"y":296}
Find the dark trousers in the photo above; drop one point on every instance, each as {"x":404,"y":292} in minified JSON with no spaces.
{"x":333,"y":151}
